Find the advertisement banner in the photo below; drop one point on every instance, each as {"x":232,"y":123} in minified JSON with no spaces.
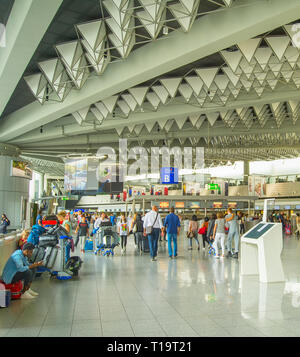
{"x":256,"y":186}
{"x":21,"y":169}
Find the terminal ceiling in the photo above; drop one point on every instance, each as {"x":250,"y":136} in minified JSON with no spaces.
{"x":222,"y":74}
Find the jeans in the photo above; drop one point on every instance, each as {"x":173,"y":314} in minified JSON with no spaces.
{"x":191,"y":240}
{"x":236,"y":236}
{"x":67,"y":252}
{"x":139,"y":238}
{"x":27,"y":276}
{"x":153,"y":239}
{"x":82,"y":242}
{"x":220,"y":237}
{"x":123,"y":241}
{"x":172,"y":237}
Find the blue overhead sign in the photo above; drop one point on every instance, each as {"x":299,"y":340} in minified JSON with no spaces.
{"x":169,"y":175}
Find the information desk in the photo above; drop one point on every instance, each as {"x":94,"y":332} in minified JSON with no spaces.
{"x":261,"y":248}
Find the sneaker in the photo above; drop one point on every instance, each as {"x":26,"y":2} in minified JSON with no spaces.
{"x":229,"y":255}
{"x":27,"y":295}
{"x":190,"y":248}
{"x":175,"y":256}
{"x":33,"y":293}
{"x":154,"y":258}
{"x":217,"y":256}
{"x":203,"y":248}
{"x":235,"y":255}
{"x":170,"y":256}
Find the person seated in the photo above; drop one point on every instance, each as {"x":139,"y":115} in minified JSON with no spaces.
{"x":18,"y":268}
{"x":23,"y":238}
{"x":36,"y":232}
{"x":4,"y":223}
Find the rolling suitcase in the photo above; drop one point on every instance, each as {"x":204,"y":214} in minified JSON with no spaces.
{"x":145,"y":245}
{"x":37,"y":254}
{"x":5,"y":298}
{"x":50,"y":257}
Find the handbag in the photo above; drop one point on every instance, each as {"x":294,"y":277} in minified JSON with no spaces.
{"x":202,"y":230}
{"x":134,"y":229}
{"x":190,"y":234}
{"x":149,"y":230}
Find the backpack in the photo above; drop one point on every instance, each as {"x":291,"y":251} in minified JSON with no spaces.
{"x":139,"y":226}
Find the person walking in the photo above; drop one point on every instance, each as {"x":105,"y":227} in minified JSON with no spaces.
{"x":39,"y":218}
{"x":138,"y":229}
{"x":231,"y":220}
{"x":152,"y":228}
{"x":219,"y":234}
{"x":83,"y":232}
{"x":203,"y":231}
{"x":210,"y":229}
{"x":65,"y":218}
{"x":241,"y":222}
{"x":132,"y":229}
{"x":298,"y":224}
{"x":123,"y":233}
{"x":193,"y":232}
{"x":172,"y":226}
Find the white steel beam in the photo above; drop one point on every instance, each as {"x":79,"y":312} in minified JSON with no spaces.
{"x":26,"y":26}
{"x":209,"y":34}
{"x":171,"y":111}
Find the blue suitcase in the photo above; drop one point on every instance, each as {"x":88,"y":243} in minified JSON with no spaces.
{"x":89,"y":245}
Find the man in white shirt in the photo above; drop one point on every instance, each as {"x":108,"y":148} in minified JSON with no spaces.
{"x":152,"y":227}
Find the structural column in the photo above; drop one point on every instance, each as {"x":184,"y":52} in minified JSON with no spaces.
{"x":14,"y":191}
{"x":246,"y":171}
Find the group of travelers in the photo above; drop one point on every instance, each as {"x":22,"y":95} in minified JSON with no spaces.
{"x":214,"y":231}
{"x":149,"y":227}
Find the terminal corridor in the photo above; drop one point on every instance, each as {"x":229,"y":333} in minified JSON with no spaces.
{"x":193,"y":295}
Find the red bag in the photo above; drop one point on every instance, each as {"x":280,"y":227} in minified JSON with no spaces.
{"x":202,"y":230}
{"x":15,"y":289}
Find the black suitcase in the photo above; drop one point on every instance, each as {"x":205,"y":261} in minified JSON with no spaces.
{"x":145,"y":245}
{"x":48,"y":241}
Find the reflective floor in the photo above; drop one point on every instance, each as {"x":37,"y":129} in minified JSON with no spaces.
{"x":194,"y":295}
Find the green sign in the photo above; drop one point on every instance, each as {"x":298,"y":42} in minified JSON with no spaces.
{"x":65,"y":198}
{"x":213,"y":186}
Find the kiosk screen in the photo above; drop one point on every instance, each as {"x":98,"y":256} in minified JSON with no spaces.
{"x":259,"y":230}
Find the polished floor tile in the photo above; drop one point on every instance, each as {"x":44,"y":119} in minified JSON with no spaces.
{"x":194,"y":295}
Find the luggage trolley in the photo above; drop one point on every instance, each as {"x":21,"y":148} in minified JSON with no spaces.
{"x":106,"y":240}
{"x":53,"y":250}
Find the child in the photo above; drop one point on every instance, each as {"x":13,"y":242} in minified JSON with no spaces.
{"x":123,"y":232}
{"x":83,"y":229}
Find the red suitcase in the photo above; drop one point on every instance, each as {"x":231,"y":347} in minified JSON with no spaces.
{"x":15,"y":289}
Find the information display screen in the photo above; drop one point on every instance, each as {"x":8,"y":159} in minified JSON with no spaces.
{"x":179,"y":204}
{"x":195,"y":205}
{"x":169,"y":175}
{"x":217,"y":205}
{"x":164,"y":205}
{"x":232,"y":204}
